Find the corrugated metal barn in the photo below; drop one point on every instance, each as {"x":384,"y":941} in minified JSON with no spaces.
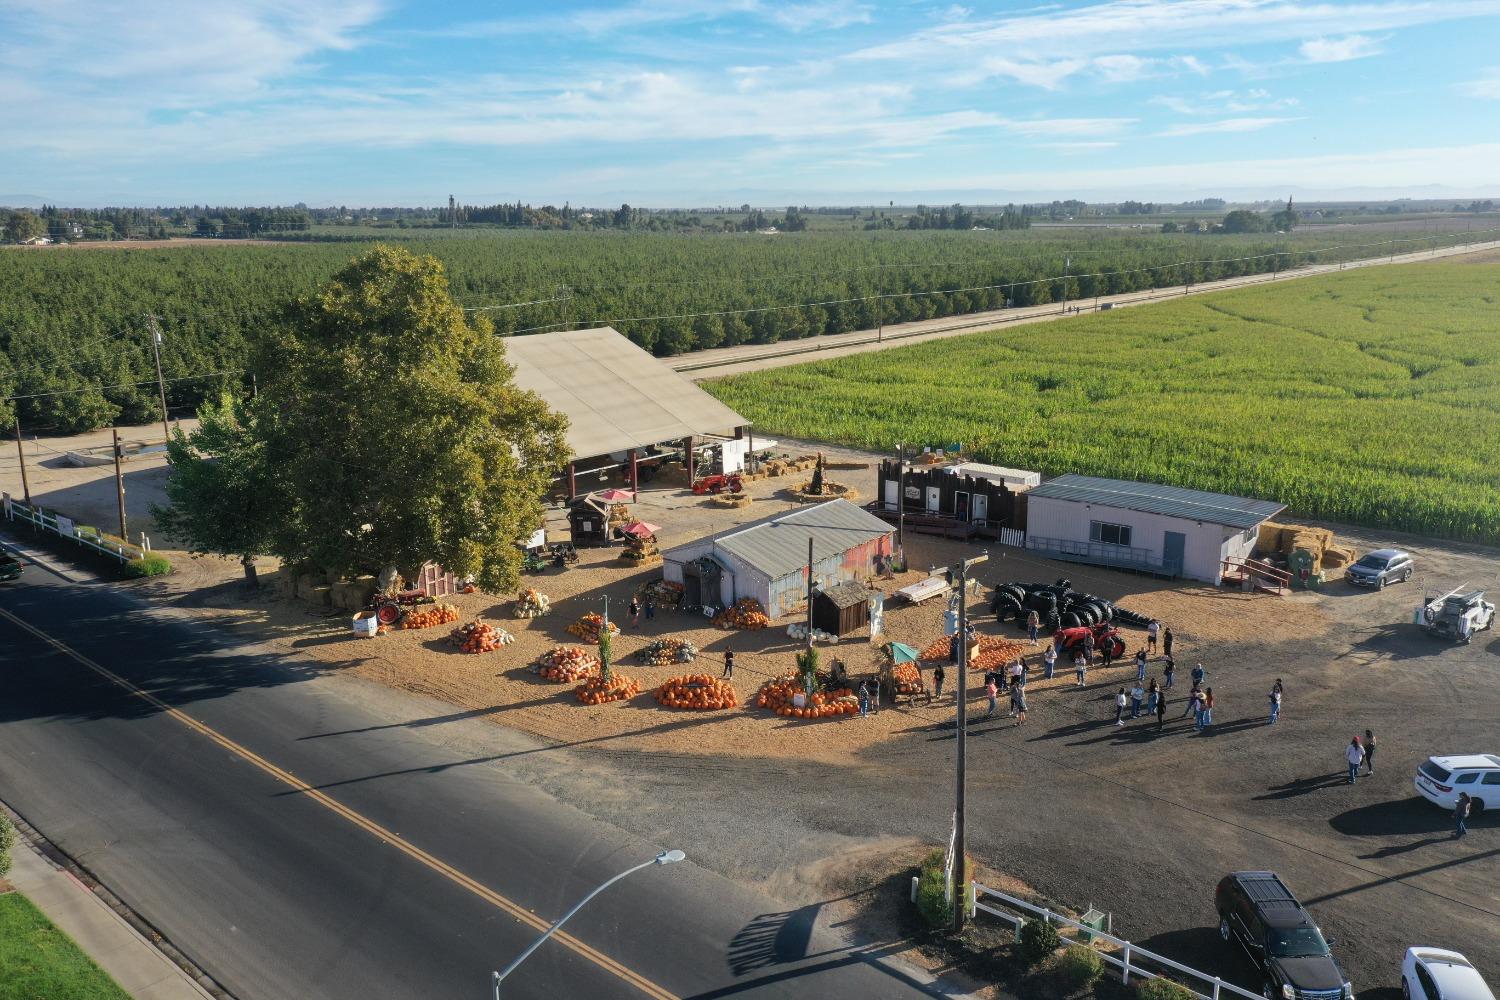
{"x":622,"y":404}
{"x":767,"y":560}
{"x":1165,"y":530}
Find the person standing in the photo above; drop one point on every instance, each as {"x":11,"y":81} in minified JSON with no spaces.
{"x":1107,"y":651}
{"x":1195,"y":695}
{"x":729,"y":663}
{"x":1049,"y":661}
{"x":635,"y":612}
{"x":1161,"y":710}
{"x":1120,"y":708}
{"x":650,"y":610}
{"x":1168,"y":671}
{"x":1166,"y":642}
{"x":1088,"y":647}
{"x":1152,"y":631}
{"x":1080,"y":667}
{"x":1199,"y":675}
{"x":991,"y":691}
{"x":864,"y":699}
{"x":1152,"y":696}
{"x":1016,"y":670}
{"x":1140,"y":665}
{"x":1208,"y":709}
{"x":1033,"y":623}
{"x":1461,"y":816}
{"x":1018,"y":703}
{"x":1369,"y":752}
{"x":1137,"y":695}
{"x":1275,"y":700}
{"x":1354,"y":754}
{"x":938,"y":674}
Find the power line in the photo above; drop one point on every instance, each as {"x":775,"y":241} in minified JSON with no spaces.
{"x":127,"y":385}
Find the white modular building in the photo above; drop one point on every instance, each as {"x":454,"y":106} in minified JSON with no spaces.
{"x":1165,"y":530}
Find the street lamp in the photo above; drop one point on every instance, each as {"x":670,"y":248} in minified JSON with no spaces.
{"x":664,"y":858}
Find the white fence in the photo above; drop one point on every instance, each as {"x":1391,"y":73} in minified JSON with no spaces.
{"x":1013,"y":537}
{"x":63,"y":527}
{"x":1128,"y":961}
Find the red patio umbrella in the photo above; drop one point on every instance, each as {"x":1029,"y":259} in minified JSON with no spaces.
{"x":641,"y":529}
{"x":616,"y":496}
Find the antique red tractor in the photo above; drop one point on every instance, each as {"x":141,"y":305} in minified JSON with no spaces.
{"x":719,"y":483}
{"x":1070,"y":640}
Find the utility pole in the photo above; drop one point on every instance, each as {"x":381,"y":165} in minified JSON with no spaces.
{"x":119,"y":482}
{"x":880,"y":304}
{"x":161,"y":384}
{"x":21,"y":454}
{"x":809,"y":592}
{"x":1067,"y":263}
{"x":961,"y":893}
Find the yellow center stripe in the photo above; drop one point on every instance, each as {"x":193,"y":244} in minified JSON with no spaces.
{"x":489,"y":895}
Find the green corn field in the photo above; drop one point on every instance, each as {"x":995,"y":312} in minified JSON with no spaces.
{"x":1369,"y":397}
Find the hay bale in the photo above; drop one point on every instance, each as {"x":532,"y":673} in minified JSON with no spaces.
{"x":321,"y":595}
{"x":352,"y":595}
{"x":1268,"y":538}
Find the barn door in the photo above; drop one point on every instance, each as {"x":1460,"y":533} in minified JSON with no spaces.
{"x":934,"y":499}
{"x":892,"y":494}
{"x":981,"y":507}
{"x":1173,"y":547}
{"x":961,"y":506}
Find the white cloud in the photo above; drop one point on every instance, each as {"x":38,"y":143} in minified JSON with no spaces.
{"x":1331,"y":50}
{"x":1156,"y":25}
{"x":826,"y":14}
{"x":1486,"y":87}
{"x":1123,"y":68}
{"x":1223,"y":125}
{"x":1076,"y":147}
{"x":1225,"y":102}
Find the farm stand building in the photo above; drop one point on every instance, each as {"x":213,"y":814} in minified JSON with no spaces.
{"x":1143,"y":526}
{"x":622,"y":404}
{"x":767,"y":560}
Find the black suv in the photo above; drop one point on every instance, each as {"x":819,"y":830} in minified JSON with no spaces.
{"x":1259,"y":911}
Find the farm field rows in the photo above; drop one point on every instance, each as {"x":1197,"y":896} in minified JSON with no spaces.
{"x":74,"y":340}
{"x":1371,"y":397}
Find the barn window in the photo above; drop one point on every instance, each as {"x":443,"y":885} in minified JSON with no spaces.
{"x":1109,"y":534}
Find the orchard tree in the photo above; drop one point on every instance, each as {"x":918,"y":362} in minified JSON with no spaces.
{"x":393,"y":421}
{"x":223,"y":496}
{"x":23,"y":226}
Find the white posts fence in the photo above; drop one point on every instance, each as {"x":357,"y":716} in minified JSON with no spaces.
{"x":62,"y":526}
{"x":1132,"y":960}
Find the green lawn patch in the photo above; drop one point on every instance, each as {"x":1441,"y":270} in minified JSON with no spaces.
{"x":40,"y":962}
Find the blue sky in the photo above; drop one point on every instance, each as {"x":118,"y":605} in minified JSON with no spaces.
{"x":703,"y":102}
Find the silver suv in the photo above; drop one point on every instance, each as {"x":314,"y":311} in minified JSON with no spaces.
{"x":1379,"y":568}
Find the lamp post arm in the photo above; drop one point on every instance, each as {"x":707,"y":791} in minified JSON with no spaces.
{"x":498,"y":976}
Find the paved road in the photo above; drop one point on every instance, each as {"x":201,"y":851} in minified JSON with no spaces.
{"x":301,"y":835}
{"x":721,"y":361}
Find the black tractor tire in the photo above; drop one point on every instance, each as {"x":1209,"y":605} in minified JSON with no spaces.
{"x":1070,"y":620}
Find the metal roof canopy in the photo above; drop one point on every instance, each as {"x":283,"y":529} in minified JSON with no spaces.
{"x":1150,"y":498}
{"x":615,"y":395}
{"x":777,"y":545}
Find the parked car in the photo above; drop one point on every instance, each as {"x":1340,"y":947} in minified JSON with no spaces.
{"x":1440,"y":779}
{"x":1259,"y":911}
{"x":10,"y":567}
{"x":1435,"y":974}
{"x":1378,"y":568}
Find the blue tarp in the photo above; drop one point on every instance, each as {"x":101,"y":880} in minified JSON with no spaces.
{"x":902,"y":653}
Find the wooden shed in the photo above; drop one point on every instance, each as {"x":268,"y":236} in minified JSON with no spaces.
{"x":842,"y":609}
{"x":588,"y":520}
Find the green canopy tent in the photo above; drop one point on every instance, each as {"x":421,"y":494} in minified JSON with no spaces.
{"x":902,"y":653}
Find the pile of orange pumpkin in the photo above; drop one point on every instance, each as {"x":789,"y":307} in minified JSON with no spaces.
{"x":478,"y":636}
{"x":589,"y":626}
{"x":438,"y":614}
{"x":567,"y":664}
{"x":596,"y":692}
{"x":994,"y":652}
{"x":777,"y":694}
{"x":745,"y":613}
{"x":698,"y":692}
{"x":908,"y":678}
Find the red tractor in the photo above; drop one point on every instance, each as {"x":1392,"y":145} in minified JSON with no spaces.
{"x":719,"y":483}
{"x":1070,"y":640}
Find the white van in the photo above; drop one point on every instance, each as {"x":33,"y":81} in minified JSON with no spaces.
{"x":1440,"y":780}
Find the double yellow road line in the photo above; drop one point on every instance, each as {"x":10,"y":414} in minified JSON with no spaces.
{"x":603,"y":961}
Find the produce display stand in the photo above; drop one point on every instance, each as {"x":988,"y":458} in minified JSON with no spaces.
{"x":923,"y":590}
